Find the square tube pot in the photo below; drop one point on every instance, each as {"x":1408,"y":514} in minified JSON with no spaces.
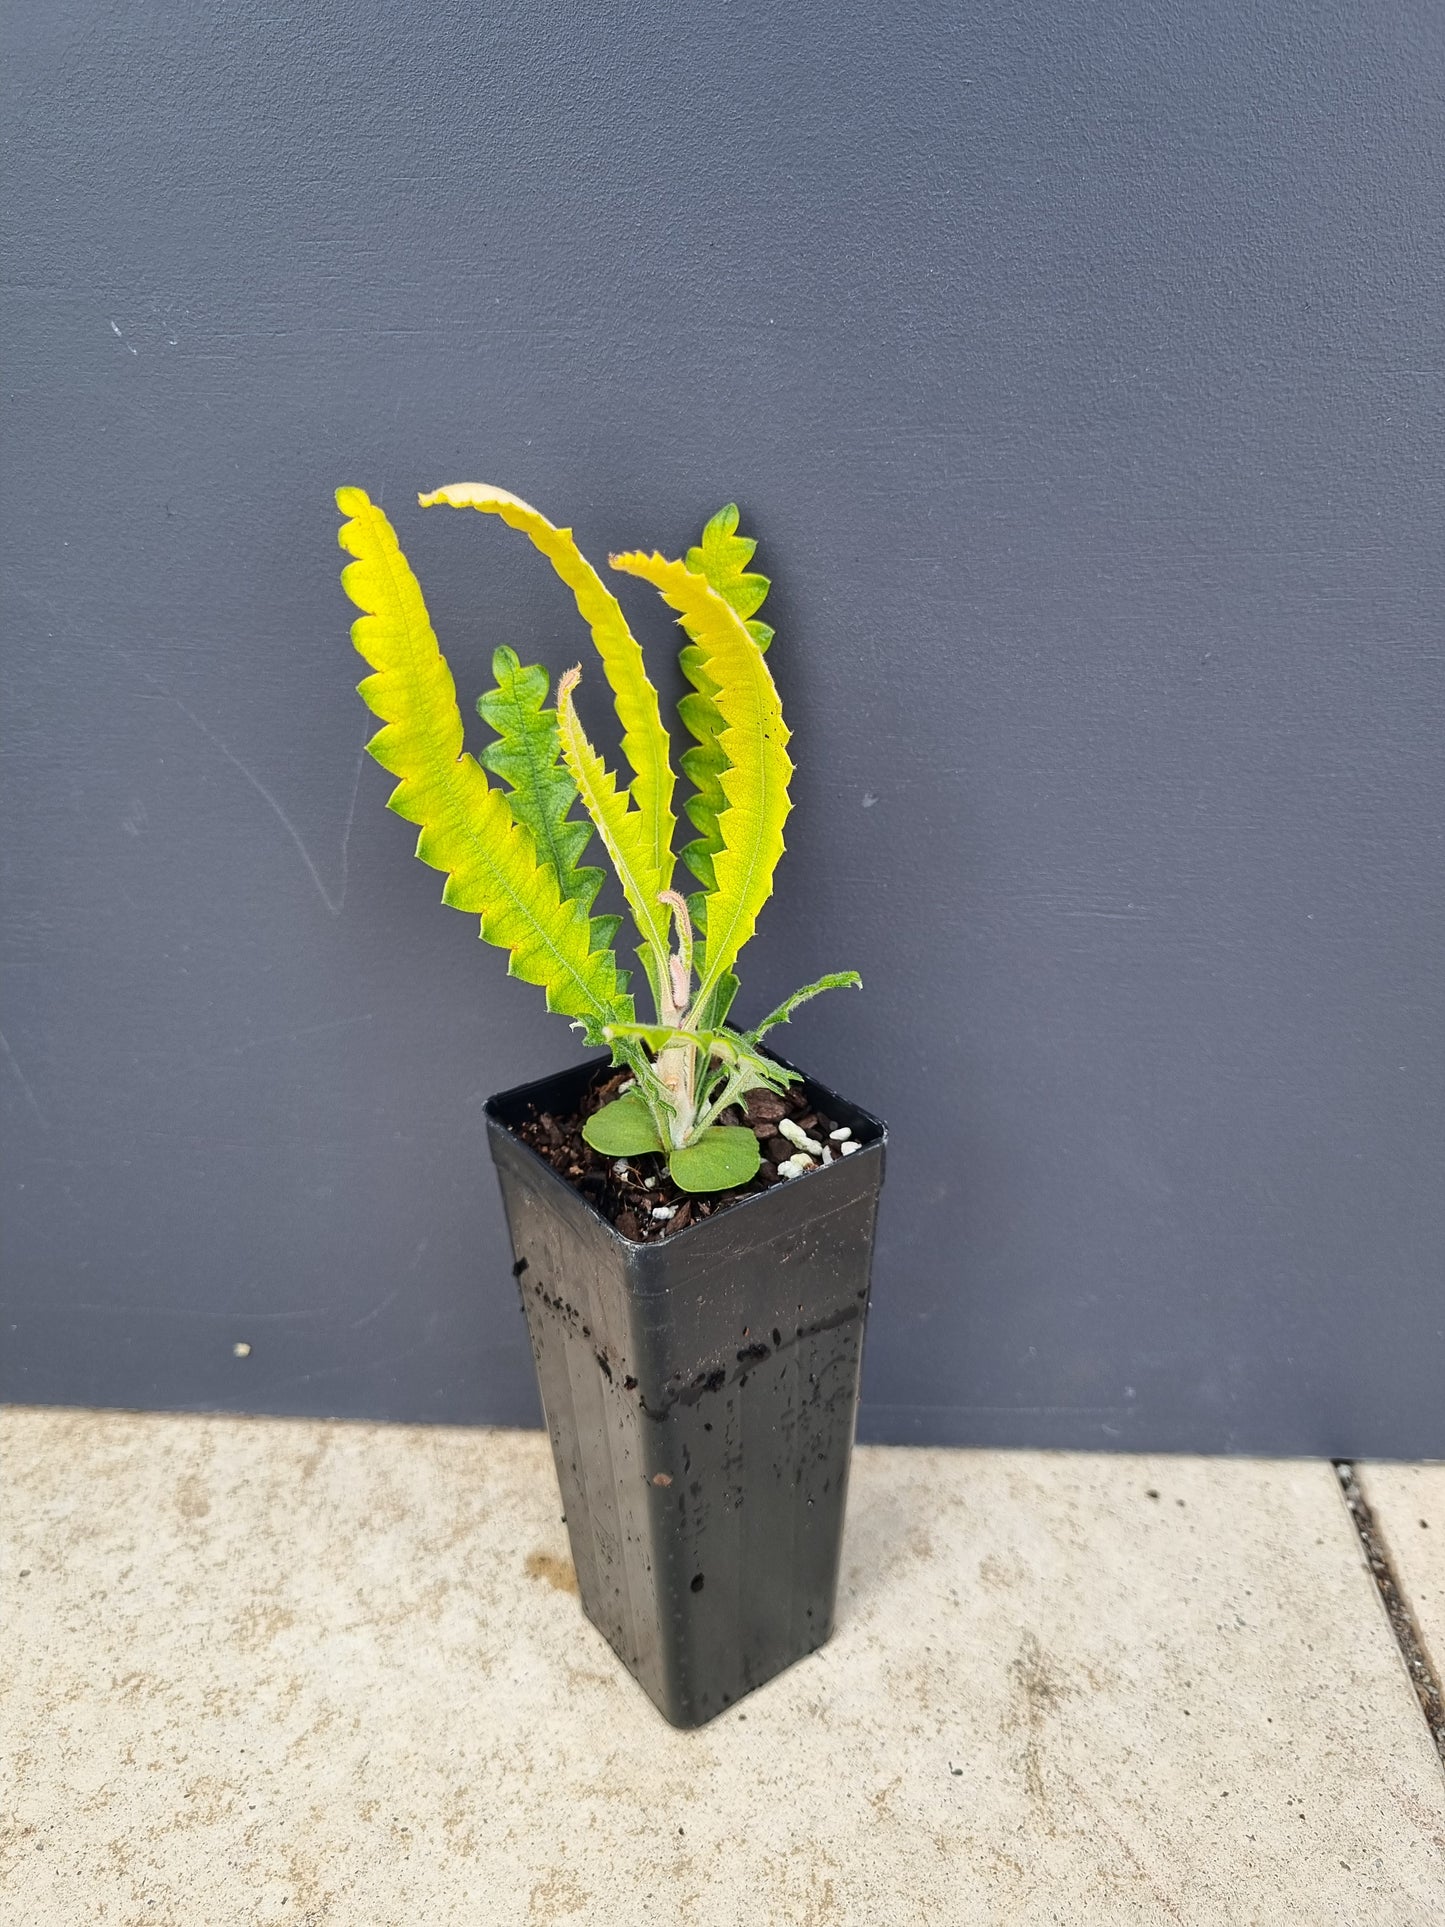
{"x":701,"y":1395}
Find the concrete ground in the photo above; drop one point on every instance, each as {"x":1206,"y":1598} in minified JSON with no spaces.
{"x":273,"y":1672}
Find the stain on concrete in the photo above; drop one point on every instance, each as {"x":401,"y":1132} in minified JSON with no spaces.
{"x":555,"y":1896}
{"x":1040,"y":1688}
{"x":193,"y":1501}
{"x":259,"y":1624}
{"x":554,"y":1572}
{"x":1001,"y":1572}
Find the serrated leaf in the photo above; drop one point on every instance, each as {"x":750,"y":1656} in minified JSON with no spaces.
{"x":703,"y":767}
{"x":721,"y":1159}
{"x":623,"y":1128}
{"x":721,"y":558}
{"x":645,"y":742}
{"x":527,"y":755}
{"x":466,"y":827}
{"x":621,"y":827}
{"x":836,"y":980}
{"x":753,"y":741}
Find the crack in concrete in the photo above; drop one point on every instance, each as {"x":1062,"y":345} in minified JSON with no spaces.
{"x":1397,"y":1606}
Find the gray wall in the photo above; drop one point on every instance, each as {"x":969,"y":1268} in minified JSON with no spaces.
{"x":1081,"y":370}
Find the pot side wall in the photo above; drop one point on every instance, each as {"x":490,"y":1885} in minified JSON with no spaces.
{"x":701,"y":1395}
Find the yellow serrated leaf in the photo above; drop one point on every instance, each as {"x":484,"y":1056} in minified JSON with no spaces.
{"x":621,"y":828}
{"x":645,"y":741}
{"x":467,"y":828}
{"x":753,"y":739}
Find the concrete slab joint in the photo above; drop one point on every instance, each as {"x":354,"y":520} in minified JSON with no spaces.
{"x":1423,"y":1673}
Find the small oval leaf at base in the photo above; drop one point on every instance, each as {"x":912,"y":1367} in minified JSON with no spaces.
{"x":723,"y":1157}
{"x":622,"y":1129}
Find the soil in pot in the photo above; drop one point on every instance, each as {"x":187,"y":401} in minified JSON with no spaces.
{"x":637,"y":1195}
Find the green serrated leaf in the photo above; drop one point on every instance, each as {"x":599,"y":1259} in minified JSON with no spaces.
{"x":721,"y":1159}
{"x":467,"y":828}
{"x":527,"y":756}
{"x":721,"y":558}
{"x":835,"y":980}
{"x":623,"y":1128}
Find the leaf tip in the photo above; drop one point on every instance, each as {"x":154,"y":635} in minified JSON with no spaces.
{"x":475,"y":495}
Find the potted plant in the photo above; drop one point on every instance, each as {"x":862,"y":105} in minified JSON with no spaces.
{"x":691,"y":1217}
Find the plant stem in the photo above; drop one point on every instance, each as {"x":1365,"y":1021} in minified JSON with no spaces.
{"x":676,"y":1063}
{"x":676,"y":1068}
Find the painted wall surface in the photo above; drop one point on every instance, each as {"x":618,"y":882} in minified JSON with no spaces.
{"x":1082,"y":370}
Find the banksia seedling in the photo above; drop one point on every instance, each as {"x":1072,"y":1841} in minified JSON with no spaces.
{"x":513,"y":854}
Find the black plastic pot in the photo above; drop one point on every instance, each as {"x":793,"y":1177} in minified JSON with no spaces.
{"x":701,"y":1395}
